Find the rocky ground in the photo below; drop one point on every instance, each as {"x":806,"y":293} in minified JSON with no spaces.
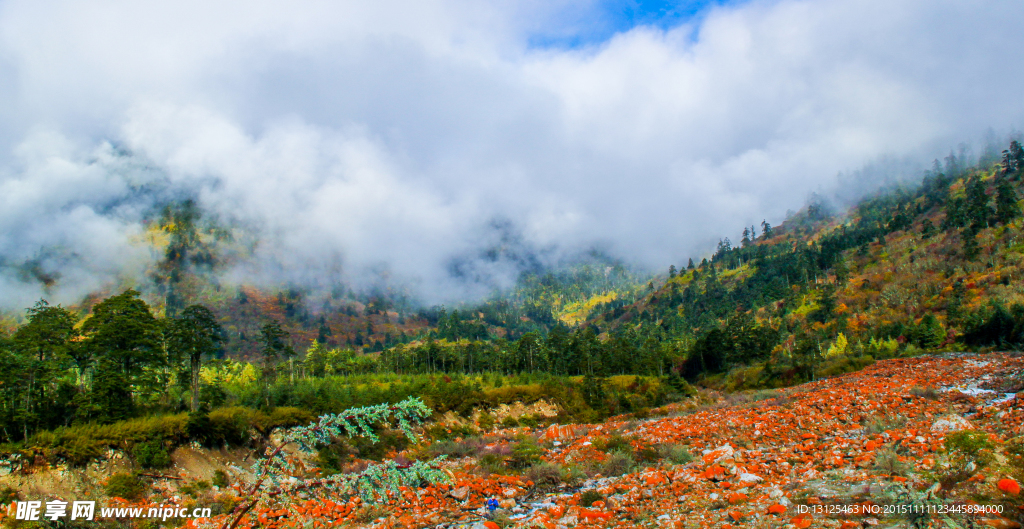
{"x":926,"y":441}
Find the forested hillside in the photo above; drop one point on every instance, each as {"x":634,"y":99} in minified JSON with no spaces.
{"x":909,"y":269}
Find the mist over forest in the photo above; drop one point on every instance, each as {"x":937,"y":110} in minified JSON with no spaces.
{"x":444,"y":149}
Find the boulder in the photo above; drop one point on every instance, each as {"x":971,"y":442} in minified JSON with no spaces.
{"x":951,"y":423}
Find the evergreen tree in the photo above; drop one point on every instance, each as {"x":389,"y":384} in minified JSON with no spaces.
{"x":978,"y":210}
{"x":1007,"y":207}
{"x":689,"y":264}
{"x":971,"y":248}
{"x":1013,"y":158}
{"x":193,"y":335}
{"x":43,"y":345}
{"x":274,"y":341}
{"x":927,"y":228}
{"x":125,"y":339}
{"x":766,"y":230}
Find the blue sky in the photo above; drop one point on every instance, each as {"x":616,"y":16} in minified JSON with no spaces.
{"x":593,"y":24}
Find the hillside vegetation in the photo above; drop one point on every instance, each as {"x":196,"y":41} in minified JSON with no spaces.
{"x":908,"y":270}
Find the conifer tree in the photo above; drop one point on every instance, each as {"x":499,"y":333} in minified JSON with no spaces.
{"x":1007,"y":207}
{"x":978,"y":210}
{"x":193,"y":335}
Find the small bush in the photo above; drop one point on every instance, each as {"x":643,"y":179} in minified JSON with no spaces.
{"x":618,"y":463}
{"x":492,"y":463}
{"x":675,"y":454}
{"x":220,"y":479}
{"x":152,"y":454}
{"x":370,"y":513}
{"x":529,"y":421}
{"x":195,"y":488}
{"x":972,"y":445}
{"x":927,"y":392}
{"x":525,"y":453}
{"x":614,"y":443}
{"x":884,"y":422}
{"x":440,"y":432}
{"x":468,"y":447}
{"x":7,"y":495}
{"x":588,"y":497}
{"x":647,"y":454}
{"x":575,"y":475}
{"x":127,"y":486}
{"x":545,"y":476}
{"x":888,"y":462}
{"x":486,"y":422}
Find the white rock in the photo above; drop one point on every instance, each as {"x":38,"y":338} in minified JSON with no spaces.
{"x":951,"y":423}
{"x":664,"y":517}
{"x":713,"y":495}
{"x":750,"y":478}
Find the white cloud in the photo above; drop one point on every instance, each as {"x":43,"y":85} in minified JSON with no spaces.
{"x":392,"y":134}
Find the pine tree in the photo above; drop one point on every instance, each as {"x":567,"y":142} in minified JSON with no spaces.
{"x":927,"y":228}
{"x":971,"y":248}
{"x":1007,"y":207}
{"x":689,"y":264}
{"x":193,"y":335}
{"x":978,"y":210}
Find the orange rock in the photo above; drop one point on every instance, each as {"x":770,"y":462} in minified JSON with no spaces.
{"x":735,"y":515}
{"x":1000,"y":523}
{"x":737,"y":497}
{"x":776,"y":509}
{"x":1009,"y":486}
{"x":594,"y":515}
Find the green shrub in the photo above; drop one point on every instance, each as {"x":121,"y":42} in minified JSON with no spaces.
{"x":220,"y":479}
{"x":544,"y":475}
{"x":588,"y":497}
{"x":127,"y":486}
{"x":529,"y":421}
{"x":647,"y":454}
{"x":970,"y":445}
{"x":230,"y":426}
{"x":526,"y":452}
{"x":926,"y":392}
{"x":888,"y":462}
{"x":152,"y":454}
{"x":675,"y":454}
{"x":884,"y":422}
{"x":492,"y":463}
{"x":195,"y":488}
{"x":7,"y":495}
{"x":486,"y":422}
{"x":618,"y":463}
{"x":283,"y":417}
{"x":437,"y":432}
{"x":615,"y":442}
{"x":575,"y":475}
